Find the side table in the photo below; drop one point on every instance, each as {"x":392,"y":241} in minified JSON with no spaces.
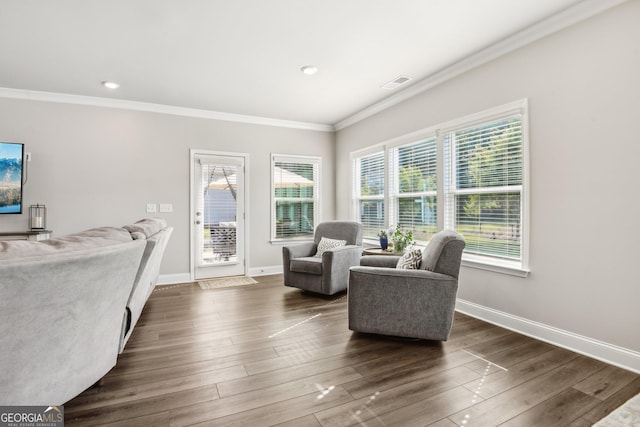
{"x":379,"y":251}
{"x":26,"y":235}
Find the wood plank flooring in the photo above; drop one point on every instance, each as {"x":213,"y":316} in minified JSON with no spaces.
{"x":265,"y":355}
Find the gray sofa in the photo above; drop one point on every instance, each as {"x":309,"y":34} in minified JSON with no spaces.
{"x":155,"y":234}
{"x":64,"y":310}
{"x":417,"y":303}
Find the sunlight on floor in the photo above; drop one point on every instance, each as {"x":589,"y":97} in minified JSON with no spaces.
{"x":365,"y":407}
{"x":294,"y":326}
{"x":476,"y":393}
{"x":324,"y":391}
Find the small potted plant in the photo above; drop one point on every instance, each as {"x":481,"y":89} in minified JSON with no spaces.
{"x":384,"y":240}
{"x":402,"y":240}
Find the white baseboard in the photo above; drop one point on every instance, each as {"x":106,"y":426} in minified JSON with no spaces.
{"x":265,"y":271}
{"x":609,"y":353}
{"x":171,"y":279}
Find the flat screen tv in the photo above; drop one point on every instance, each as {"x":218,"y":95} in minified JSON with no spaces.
{"x":11,"y":155}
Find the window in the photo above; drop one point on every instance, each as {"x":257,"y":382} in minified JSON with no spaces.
{"x":467,"y":175}
{"x":369,"y":192}
{"x":484,"y":167}
{"x":413,"y":172}
{"x":295,"y":192}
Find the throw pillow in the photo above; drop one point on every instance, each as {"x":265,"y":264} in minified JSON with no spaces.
{"x":410,"y":260}
{"x":326,"y":244}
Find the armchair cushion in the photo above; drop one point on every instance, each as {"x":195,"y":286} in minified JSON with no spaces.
{"x":327,"y":243}
{"x":311,"y":265}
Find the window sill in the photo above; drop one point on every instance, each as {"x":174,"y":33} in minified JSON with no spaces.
{"x":512,"y":268}
{"x":290,"y":241}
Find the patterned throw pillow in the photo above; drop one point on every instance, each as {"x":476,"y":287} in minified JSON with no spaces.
{"x":326,"y":243}
{"x":410,"y":260}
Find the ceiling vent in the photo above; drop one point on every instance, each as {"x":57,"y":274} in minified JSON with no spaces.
{"x":398,"y":81}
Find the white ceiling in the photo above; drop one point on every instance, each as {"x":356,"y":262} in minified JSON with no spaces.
{"x":244,"y":56}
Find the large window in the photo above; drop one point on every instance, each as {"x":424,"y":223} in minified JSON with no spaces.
{"x":369,"y":187}
{"x":295,"y":196}
{"x":484,"y":191}
{"x":467,"y":175}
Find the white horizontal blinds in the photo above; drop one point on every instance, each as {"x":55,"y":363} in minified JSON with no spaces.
{"x":369,"y":185}
{"x":415,"y":188}
{"x":295,"y":184}
{"x":219,"y":207}
{"x":484,"y":191}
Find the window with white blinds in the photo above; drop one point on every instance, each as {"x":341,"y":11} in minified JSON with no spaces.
{"x":295,"y":196}
{"x":413,"y":189}
{"x":368,"y":186}
{"x":467,"y":175}
{"x":483,"y":191}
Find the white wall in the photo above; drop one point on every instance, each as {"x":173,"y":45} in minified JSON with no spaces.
{"x":95,"y":166}
{"x":583,"y":86}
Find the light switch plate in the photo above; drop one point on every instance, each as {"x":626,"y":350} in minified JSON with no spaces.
{"x":166,"y":207}
{"x":151,"y":208}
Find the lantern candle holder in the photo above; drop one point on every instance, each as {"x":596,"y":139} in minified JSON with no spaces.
{"x":38,"y":217}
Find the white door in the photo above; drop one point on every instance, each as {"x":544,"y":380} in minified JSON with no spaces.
{"x":218,"y":225}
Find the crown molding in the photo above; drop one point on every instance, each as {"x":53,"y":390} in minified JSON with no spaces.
{"x":93,"y":101}
{"x":568,"y":17}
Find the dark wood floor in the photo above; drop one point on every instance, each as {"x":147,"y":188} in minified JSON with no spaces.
{"x":263,"y":355}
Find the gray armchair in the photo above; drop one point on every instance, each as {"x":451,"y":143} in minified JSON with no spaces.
{"x":329,"y":273}
{"x":408,"y":303}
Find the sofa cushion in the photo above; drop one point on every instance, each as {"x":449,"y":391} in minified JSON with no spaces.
{"x":311,"y":265}
{"x":325,"y":244}
{"x":410,"y":260}
{"x":137,"y":235}
{"x":147,"y":226}
{"x":93,"y":238}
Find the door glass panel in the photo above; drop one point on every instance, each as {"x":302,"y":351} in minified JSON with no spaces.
{"x":219,"y":214}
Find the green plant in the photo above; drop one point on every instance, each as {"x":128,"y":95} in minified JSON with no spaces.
{"x":402,"y":240}
{"x":382,"y":234}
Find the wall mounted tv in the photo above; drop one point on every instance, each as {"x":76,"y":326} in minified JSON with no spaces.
{"x":11,"y":155}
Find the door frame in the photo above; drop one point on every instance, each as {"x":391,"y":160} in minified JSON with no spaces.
{"x":193,"y":152}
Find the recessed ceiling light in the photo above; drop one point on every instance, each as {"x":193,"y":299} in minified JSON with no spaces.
{"x":309,"y":70}
{"x":110,"y":85}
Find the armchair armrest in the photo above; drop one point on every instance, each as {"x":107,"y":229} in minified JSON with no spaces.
{"x":335,"y":266}
{"x":388,"y":261}
{"x":300,"y":250}
{"x":349,"y":254}
{"x":342,"y":258}
{"x":391,"y":274}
